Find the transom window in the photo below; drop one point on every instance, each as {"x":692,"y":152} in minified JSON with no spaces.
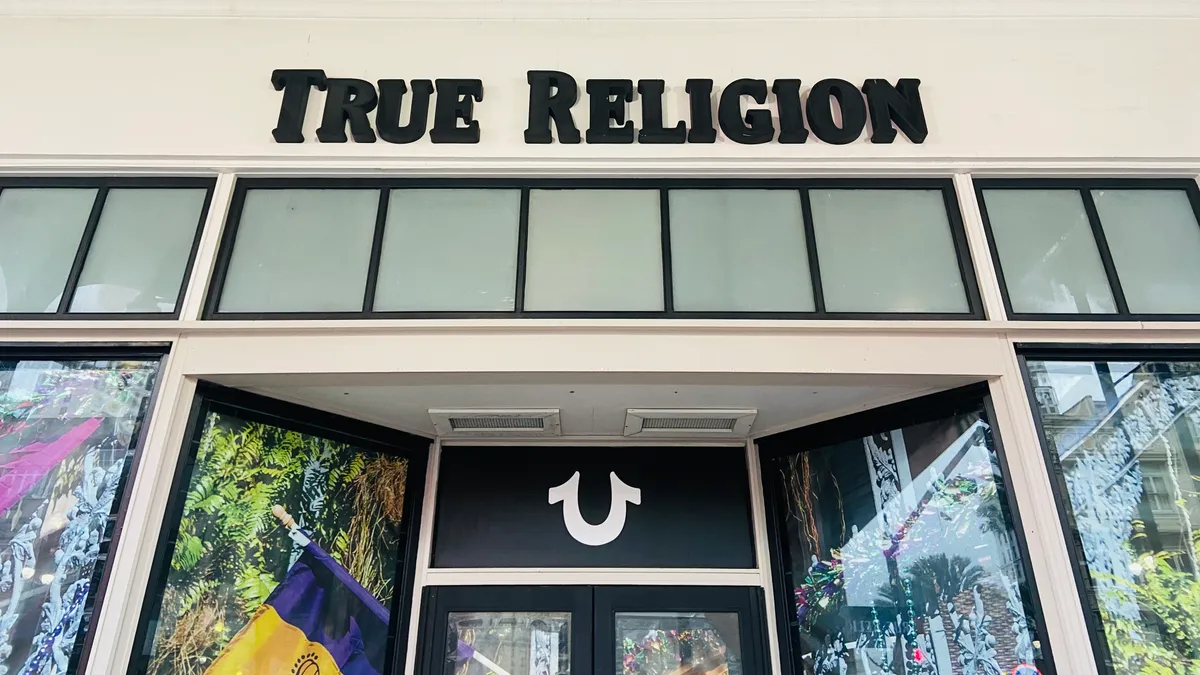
{"x":1095,"y":249}
{"x":91,"y":248}
{"x":773,"y":249}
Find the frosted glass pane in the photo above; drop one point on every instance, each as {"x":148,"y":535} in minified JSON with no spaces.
{"x":40,"y":229}
{"x":449,"y":250}
{"x":301,"y":251}
{"x":594,"y":250}
{"x":886,"y":251}
{"x":138,"y":257}
{"x":1155,"y":244}
{"x":1047,"y":252}
{"x":739,"y":251}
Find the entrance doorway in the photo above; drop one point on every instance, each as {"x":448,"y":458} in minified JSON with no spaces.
{"x":599,"y":630}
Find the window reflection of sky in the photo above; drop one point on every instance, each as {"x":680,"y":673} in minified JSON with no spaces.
{"x":1073,"y":381}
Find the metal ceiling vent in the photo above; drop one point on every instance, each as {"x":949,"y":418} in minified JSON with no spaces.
{"x":692,"y":422}
{"x":460,"y":422}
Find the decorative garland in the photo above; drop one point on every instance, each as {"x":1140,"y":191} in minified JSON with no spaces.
{"x":824,"y":583}
{"x":823,"y":586}
{"x":60,"y":387}
{"x":658,"y":642}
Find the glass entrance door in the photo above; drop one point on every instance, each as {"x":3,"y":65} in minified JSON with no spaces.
{"x":580,"y":630}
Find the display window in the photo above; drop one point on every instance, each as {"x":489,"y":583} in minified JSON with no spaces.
{"x":288,"y":543}
{"x":897,"y":546}
{"x":71,"y":424}
{"x":1119,"y":431}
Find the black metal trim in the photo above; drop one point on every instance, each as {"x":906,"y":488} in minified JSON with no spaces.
{"x":83,"y":351}
{"x":954,"y":219}
{"x":668,"y":280}
{"x":211,"y":397}
{"x":1106,"y":259}
{"x":1066,"y":519}
{"x":81,"y":649}
{"x":102,"y":187}
{"x":439,"y":601}
{"x":810,"y":243}
{"x":1107,"y":351}
{"x":522,"y":253}
{"x":972,"y":398}
{"x":1085,"y":186}
{"x":85,"y":244}
{"x":376,"y":251}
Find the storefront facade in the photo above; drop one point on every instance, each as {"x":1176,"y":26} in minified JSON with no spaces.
{"x":584,"y":337}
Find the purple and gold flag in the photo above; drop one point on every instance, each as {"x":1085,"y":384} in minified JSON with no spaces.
{"x":318,"y":621}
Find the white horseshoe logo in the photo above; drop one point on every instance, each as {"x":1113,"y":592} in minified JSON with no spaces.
{"x":580,"y":529}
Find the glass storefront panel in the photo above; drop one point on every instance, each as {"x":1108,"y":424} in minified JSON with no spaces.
{"x":1077,"y":247}
{"x":887,"y":251}
{"x":1155,"y":241}
{"x":1047,"y":253}
{"x":594,"y":250}
{"x":1122,"y":436}
{"x":449,"y":250}
{"x":739,"y":251}
{"x":494,"y":643}
{"x":901,"y":554}
{"x":286,"y":552}
{"x":40,"y":229}
{"x":678,"y":643}
{"x":289,"y":256}
{"x":531,"y":249}
{"x":162,"y":222}
{"x":68,"y":430}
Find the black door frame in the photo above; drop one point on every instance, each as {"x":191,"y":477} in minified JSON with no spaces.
{"x":591,"y":637}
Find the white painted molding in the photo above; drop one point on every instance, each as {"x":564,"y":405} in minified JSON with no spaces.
{"x":699,"y":166}
{"x":703,"y":10}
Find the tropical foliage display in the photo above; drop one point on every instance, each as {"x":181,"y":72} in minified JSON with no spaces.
{"x":230,"y":552}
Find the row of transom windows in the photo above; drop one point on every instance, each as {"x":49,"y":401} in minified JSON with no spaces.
{"x":873,"y":249}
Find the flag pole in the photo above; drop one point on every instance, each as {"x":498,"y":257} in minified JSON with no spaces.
{"x":466,"y":651}
{"x":289,"y":523}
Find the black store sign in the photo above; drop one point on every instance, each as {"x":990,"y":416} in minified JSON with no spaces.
{"x":593,"y":507}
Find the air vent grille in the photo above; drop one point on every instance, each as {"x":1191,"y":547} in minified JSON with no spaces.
{"x":689,"y":423}
{"x":692,"y":423}
{"x":492,"y":423}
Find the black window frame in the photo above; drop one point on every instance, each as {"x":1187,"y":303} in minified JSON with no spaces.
{"x":102,"y":186}
{"x":101,"y":574}
{"x":593,"y":611}
{"x":1085,"y":353}
{"x":1083,"y":187}
{"x":972,"y":398}
{"x":211,"y":397}
{"x":745,"y":601}
{"x":437,"y":602}
{"x":945,"y":186}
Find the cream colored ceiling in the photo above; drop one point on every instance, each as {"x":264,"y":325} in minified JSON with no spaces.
{"x":590,"y":405}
